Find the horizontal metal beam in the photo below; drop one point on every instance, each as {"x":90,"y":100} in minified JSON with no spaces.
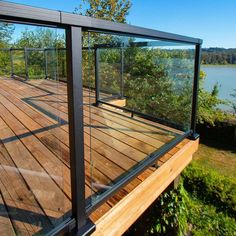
{"x":28,"y":14}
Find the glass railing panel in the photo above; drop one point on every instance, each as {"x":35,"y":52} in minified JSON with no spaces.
{"x":154,"y":77}
{"x":144,"y":100}
{"x":35,"y":188}
{"x":158,"y":81}
{"x":61,"y":64}
{"x":51,"y":64}
{"x":19,"y":63}
{"x":35,"y":63}
{"x":5,"y":61}
{"x":110,"y":67}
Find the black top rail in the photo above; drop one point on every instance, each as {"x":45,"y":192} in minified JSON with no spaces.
{"x":34,"y":15}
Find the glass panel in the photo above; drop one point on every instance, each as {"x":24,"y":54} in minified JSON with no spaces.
{"x":5,"y":62}
{"x":35,"y":63}
{"x":154,"y":77}
{"x":144,"y":89}
{"x":51,"y":64}
{"x":88,"y":68}
{"x":35,"y":188}
{"x":19,"y":62}
{"x":61,"y":67}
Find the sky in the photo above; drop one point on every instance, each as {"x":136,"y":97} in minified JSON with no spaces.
{"x":211,"y":20}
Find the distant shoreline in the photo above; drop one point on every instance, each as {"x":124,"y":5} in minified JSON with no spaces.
{"x":220,"y":65}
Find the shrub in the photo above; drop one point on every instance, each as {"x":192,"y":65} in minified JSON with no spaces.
{"x":205,"y":220}
{"x":211,"y":188}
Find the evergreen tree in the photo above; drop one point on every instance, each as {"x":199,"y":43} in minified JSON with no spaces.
{"x":112,"y":10}
{"x":6,"y":31}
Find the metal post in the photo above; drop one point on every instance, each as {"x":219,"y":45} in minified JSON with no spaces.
{"x":26,"y":64}
{"x":122,"y":72}
{"x":12,"y":65}
{"x":45,"y":63}
{"x":76,"y":129}
{"x":194,"y":135}
{"x":97,"y":79}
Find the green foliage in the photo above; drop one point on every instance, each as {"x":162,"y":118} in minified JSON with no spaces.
{"x":233,"y":103}
{"x":205,"y":219}
{"x":211,"y":188}
{"x":5,"y":66}
{"x":158,"y":83}
{"x":6,"y":31}
{"x":112,"y":10}
{"x":40,"y":37}
{"x":173,"y":212}
{"x":203,"y":204}
{"x":208,"y":102}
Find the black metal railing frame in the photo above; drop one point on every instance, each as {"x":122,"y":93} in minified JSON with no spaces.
{"x":73,"y":24}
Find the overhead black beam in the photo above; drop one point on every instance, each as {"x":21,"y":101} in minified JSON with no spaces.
{"x":43,"y":16}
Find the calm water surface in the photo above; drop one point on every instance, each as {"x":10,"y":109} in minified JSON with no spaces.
{"x":225,"y":76}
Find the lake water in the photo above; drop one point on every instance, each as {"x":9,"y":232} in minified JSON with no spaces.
{"x":225,"y":76}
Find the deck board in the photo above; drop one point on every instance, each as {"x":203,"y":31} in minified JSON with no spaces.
{"x":34,"y":152}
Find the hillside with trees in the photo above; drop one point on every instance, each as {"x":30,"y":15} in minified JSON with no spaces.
{"x":218,"y":56}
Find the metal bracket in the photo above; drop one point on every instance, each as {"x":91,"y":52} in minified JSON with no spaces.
{"x":87,"y":229}
{"x":72,"y":226}
{"x":194,"y":136}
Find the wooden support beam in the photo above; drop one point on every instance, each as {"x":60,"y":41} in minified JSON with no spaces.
{"x":126,"y":212}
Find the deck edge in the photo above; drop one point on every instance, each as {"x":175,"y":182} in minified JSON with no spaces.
{"x":126,"y":212}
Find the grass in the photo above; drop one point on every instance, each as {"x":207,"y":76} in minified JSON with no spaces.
{"x":218,"y":157}
{"x":204,"y":220}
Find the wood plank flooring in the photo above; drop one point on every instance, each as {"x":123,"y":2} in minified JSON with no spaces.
{"x":35,"y":193}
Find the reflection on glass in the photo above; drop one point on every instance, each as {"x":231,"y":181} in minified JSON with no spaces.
{"x":155,"y":78}
{"x":34,"y":142}
{"x":144,"y":97}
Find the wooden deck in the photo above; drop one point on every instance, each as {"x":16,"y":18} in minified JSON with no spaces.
{"x":34,"y":154}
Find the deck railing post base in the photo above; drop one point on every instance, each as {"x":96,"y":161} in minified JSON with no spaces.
{"x":87,"y":229}
{"x":194,"y":136}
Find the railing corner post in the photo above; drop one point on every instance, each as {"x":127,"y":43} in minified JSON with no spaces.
{"x":194,"y":135}
{"x":76,"y":130}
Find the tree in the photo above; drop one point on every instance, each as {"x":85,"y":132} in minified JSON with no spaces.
{"x":41,"y":37}
{"x":208,"y":102}
{"x":6,"y":31}
{"x":112,"y":10}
